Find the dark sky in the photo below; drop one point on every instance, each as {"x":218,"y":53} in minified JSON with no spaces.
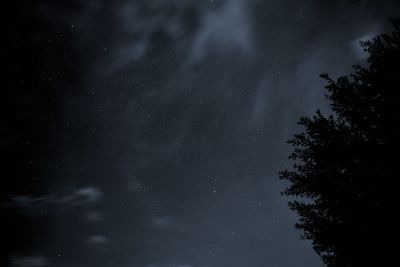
{"x":150,"y":133}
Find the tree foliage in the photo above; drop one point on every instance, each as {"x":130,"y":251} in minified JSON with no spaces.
{"x":344,"y":168}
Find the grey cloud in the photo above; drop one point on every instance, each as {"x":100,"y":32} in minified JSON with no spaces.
{"x":163,"y":221}
{"x":137,"y":186}
{"x":26,"y":201}
{"x":84,"y":196}
{"x":263,"y":94}
{"x":357,"y":48}
{"x":96,"y":240}
{"x":29,"y":261}
{"x":93,"y":216}
{"x":88,"y":195}
{"x":224,"y":29}
{"x":215,"y":26}
{"x":138,"y":22}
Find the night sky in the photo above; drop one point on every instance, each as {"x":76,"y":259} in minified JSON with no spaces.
{"x":151,"y":133}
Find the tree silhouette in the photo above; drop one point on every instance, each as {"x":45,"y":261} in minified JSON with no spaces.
{"x":345,"y":164}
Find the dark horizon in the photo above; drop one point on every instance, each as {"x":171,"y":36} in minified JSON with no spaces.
{"x":151,"y":133}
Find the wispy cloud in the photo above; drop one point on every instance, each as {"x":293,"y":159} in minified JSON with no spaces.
{"x":356,"y":46}
{"x":225,"y":29}
{"x":137,"y":186}
{"x":140,"y":26}
{"x":85,"y":196}
{"x":29,"y":261}
{"x":93,"y":216}
{"x":96,"y":240}
{"x":163,"y":221}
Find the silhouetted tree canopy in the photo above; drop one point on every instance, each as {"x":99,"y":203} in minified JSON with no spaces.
{"x":345,"y":164}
